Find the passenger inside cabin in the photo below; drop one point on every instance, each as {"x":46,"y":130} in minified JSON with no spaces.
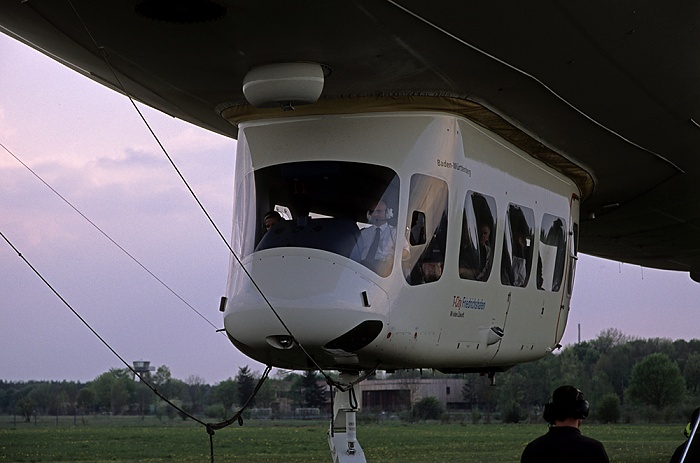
{"x":270,"y":219}
{"x":476,"y":248}
{"x":477,"y":265}
{"x":519,"y":260}
{"x":485,"y":257}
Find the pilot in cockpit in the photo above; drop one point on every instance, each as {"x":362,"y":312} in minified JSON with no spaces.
{"x":377,"y":242}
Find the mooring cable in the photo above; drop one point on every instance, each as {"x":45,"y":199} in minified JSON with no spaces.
{"x":210,"y":427}
{"x":120,"y":85}
{"x":237,"y":417}
{"x":114,"y":242}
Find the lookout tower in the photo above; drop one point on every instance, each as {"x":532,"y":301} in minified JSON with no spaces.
{"x":143,"y":367}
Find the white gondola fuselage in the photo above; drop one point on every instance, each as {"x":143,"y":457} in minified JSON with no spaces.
{"x":477,"y":257}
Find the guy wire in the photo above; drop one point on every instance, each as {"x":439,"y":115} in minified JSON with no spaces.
{"x":210,"y":427}
{"x":121,"y":248}
{"x":104,"y":54}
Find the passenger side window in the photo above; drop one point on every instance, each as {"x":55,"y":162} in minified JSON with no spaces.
{"x":516,"y":258}
{"x":427,"y":229}
{"x":478,"y":237}
{"x":552,"y":253}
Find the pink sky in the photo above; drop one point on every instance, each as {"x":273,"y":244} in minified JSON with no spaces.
{"x":90,"y":145}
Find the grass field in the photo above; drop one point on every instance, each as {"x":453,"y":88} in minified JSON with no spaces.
{"x":129,"y":439}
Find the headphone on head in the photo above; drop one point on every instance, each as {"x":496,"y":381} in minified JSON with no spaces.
{"x":567,"y":402}
{"x":389,"y":214}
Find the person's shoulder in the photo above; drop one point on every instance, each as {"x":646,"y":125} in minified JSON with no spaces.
{"x":534,"y":449}
{"x":538,"y":441}
{"x":589,"y":439}
{"x":595,"y":448}
{"x":576,"y":435}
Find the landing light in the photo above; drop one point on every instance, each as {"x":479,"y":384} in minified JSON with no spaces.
{"x":283,"y":84}
{"x":280,"y":341}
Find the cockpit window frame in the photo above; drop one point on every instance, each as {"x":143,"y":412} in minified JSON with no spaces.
{"x":325,"y":207}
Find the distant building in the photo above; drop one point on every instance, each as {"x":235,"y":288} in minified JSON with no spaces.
{"x":400,"y":394}
{"x":378,"y":395}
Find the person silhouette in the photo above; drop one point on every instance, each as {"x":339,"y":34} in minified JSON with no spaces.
{"x":688,"y":430}
{"x":564,"y":441}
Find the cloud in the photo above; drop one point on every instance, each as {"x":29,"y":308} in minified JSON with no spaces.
{"x":89,"y":144}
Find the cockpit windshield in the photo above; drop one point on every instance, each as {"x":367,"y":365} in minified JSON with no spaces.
{"x":346,"y":208}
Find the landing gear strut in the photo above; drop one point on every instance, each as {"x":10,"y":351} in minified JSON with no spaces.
{"x":342,"y":435}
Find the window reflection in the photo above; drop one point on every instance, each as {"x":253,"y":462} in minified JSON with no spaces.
{"x":552,"y":253}
{"x":417,"y":233}
{"x":324,"y":205}
{"x":427,"y":227}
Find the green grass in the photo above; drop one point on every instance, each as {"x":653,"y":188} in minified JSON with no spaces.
{"x":128,"y":439}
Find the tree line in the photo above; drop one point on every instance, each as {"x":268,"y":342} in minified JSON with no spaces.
{"x":623,"y":378}
{"x":119,"y":392}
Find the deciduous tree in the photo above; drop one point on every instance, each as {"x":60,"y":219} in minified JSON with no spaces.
{"x":226,"y":393}
{"x":656,"y":381}
{"x":26,"y":407}
{"x":428,"y":408}
{"x":691,"y":373}
{"x":86,"y":400}
{"x":608,"y":409}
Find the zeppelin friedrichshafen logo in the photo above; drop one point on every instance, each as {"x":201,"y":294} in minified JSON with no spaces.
{"x":455,"y":166}
{"x":462,"y":303}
